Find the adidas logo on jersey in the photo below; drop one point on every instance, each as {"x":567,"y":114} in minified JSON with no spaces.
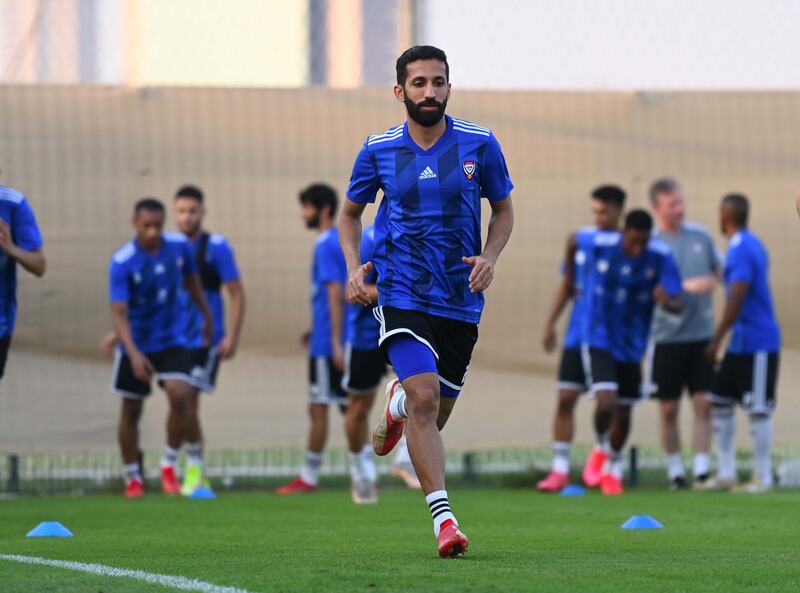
{"x":427,"y":174}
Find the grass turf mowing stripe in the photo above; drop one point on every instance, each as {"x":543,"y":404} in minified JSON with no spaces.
{"x":165,"y":580}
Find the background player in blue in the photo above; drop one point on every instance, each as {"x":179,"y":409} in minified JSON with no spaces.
{"x":146,"y":277}
{"x":364,"y":367}
{"x":217,"y":268}
{"x":582,"y":369}
{"x":318,"y":205}
{"x":749,"y":371}
{"x":20,"y":242}
{"x":433,"y":171}
{"x":630,"y":278}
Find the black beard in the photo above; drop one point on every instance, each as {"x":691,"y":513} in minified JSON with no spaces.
{"x":313,"y":223}
{"x":426,"y":119}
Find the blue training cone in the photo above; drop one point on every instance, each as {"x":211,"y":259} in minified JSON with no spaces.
{"x":50,"y":529}
{"x":642,"y":522}
{"x":203,"y":493}
{"x":573,"y":490}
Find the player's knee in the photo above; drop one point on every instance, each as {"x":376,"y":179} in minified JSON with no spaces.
{"x":423,"y":402}
{"x":566,"y":404}
{"x":358,"y":409}
{"x":669,"y":412}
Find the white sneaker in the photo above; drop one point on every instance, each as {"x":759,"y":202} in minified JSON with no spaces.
{"x":364,"y":491}
{"x":714,"y":484}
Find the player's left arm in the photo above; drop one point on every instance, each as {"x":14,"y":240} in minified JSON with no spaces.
{"x":500,"y":225}
{"x":737,"y":294}
{"x":336,"y":308}
{"x":228,"y":271}
{"x":670,"y":286}
{"x":192,"y":284}
{"x":24,"y":242}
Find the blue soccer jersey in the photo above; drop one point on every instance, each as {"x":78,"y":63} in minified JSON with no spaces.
{"x":217,"y":268}
{"x":624,"y":292}
{"x":362,"y":330}
{"x":756,"y":329}
{"x":328,"y":266}
{"x":151,"y":283}
{"x":430,"y":214}
{"x":583,"y":264}
{"x":17,"y":213}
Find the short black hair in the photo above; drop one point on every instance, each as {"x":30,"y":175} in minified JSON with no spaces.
{"x":639,"y":220}
{"x":190,"y":191}
{"x":149,"y":204}
{"x":320,"y":195}
{"x":665,"y":185}
{"x":740,"y":208}
{"x":416,"y":53}
{"x":610,"y":194}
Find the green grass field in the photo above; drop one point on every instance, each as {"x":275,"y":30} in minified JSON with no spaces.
{"x":520,"y":541}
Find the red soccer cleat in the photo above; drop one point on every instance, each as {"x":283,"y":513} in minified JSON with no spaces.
{"x":389,"y":431}
{"x":593,"y":470}
{"x":554,"y":482}
{"x":134,"y":489}
{"x":452,"y":543}
{"x":296,"y":486}
{"x":611,"y":486}
{"x":169,"y":483}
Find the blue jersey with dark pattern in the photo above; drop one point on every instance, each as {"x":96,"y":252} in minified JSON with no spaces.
{"x":328,"y":266}
{"x":756,"y":329}
{"x":362,"y":330}
{"x":219,"y":255}
{"x":583,"y":264}
{"x":430,"y":214}
{"x":151,"y":285}
{"x":623,"y":297}
{"x":17,"y":213}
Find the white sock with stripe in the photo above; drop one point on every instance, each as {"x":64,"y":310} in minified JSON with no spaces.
{"x":194,"y":453}
{"x":309,"y":473}
{"x":675,"y":467}
{"x":701,"y":466}
{"x":170,"y":456}
{"x":368,"y":461}
{"x":439,"y":506}
{"x":561,"y":457}
{"x":761,"y":431}
{"x":133,"y":472}
{"x":723,"y":422}
{"x":397,"y":405}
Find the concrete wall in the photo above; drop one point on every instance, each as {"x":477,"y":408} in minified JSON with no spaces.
{"x":84,"y":155}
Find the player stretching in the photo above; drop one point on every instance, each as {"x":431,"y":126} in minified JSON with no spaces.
{"x":318,"y":205}
{"x":749,"y":370}
{"x":146,"y":276}
{"x":363,"y":369}
{"x":433,"y":171}
{"x":20,"y":242}
{"x":631,"y":277}
{"x":217,"y":268}
{"x":582,"y":368}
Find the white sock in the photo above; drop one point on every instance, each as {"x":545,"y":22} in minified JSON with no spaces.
{"x":194,"y":452}
{"x":761,"y":431}
{"x":675,"y":466}
{"x":133,"y":472}
{"x":614,"y":465}
{"x":397,"y":405}
{"x":357,"y":470}
{"x":723,"y":422}
{"x":170,"y":456}
{"x":402,"y":456}
{"x":309,"y":473}
{"x":701,"y":466}
{"x":440,"y":509}
{"x":561,"y":457}
{"x":368,"y":460}
{"x":603,"y":442}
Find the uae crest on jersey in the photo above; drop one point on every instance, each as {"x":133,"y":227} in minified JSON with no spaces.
{"x":469,"y":169}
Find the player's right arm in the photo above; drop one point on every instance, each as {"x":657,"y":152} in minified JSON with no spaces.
{"x":23,"y":243}
{"x":350,"y":239}
{"x":563,"y":294}
{"x":142,"y":369}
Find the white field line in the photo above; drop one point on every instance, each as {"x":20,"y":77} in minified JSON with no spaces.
{"x":165,"y":580}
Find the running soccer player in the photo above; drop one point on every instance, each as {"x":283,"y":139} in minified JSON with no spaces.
{"x":676,"y":357}
{"x":217,"y":268}
{"x":630,"y":278}
{"x":749,"y":371}
{"x":433,"y":171}
{"x":20,"y":242}
{"x":364,"y":367}
{"x":318,"y":205}
{"x":582,"y":369}
{"x":146,"y":277}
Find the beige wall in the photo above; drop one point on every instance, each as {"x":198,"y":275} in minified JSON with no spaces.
{"x":84,"y":156}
